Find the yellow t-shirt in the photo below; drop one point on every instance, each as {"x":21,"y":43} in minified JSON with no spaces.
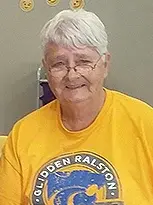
{"x":110,"y":162}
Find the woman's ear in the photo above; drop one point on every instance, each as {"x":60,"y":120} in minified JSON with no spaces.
{"x":107,"y":58}
{"x":44,"y":64}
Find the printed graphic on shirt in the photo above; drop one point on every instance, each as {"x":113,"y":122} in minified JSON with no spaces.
{"x":81,"y":178}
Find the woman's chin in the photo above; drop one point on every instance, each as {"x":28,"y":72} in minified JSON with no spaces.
{"x":75,"y":98}
{"x":74,"y":95}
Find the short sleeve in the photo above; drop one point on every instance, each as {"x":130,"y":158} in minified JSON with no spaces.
{"x":10,"y":172}
{"x":146,"y":124}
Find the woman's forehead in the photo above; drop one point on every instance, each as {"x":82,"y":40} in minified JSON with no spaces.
{"x":57,"y":51}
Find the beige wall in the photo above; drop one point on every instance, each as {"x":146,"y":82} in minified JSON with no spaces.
{"x":130,"y":28}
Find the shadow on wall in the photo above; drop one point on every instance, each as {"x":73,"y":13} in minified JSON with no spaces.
{"x":21,"y":97}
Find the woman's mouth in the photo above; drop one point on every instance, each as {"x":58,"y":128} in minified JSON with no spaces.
{"x":72,"y":87}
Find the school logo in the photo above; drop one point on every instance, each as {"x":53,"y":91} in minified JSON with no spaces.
{"x":81,"y":178}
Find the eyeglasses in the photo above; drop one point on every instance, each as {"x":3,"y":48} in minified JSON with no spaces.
{"x":83,"y":68}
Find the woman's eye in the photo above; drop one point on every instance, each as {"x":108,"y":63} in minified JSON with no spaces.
{"x":84,"y":62}
{"x":58,"y":64}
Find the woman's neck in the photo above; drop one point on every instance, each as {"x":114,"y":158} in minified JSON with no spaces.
{"x":78,"y":116}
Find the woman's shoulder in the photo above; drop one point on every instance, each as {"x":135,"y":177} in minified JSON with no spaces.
{"x":131,"y":105}
{"x":33,"y":121}
{"x":27,"y":129}
{"x":42,"y":113}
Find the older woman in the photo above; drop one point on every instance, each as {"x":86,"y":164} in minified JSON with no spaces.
{"x":91,"y":145}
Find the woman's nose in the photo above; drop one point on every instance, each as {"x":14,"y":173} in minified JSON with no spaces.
{"x":72,"y":74}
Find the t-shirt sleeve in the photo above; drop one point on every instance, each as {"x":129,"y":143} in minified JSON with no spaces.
{"x":146,"y":124}
{"x":10,"y":172}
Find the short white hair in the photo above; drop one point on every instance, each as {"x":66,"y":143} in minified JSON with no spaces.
{"x":76,"y":28}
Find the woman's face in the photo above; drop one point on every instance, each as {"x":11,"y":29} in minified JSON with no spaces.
{"x":75,"y":85}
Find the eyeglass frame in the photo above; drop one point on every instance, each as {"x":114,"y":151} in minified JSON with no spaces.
{"x":74,"y":68}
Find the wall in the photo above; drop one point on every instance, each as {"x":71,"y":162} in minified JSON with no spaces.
{"x":130,"y":29}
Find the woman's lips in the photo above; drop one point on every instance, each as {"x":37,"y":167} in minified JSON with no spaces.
{"x":72,"y":87}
